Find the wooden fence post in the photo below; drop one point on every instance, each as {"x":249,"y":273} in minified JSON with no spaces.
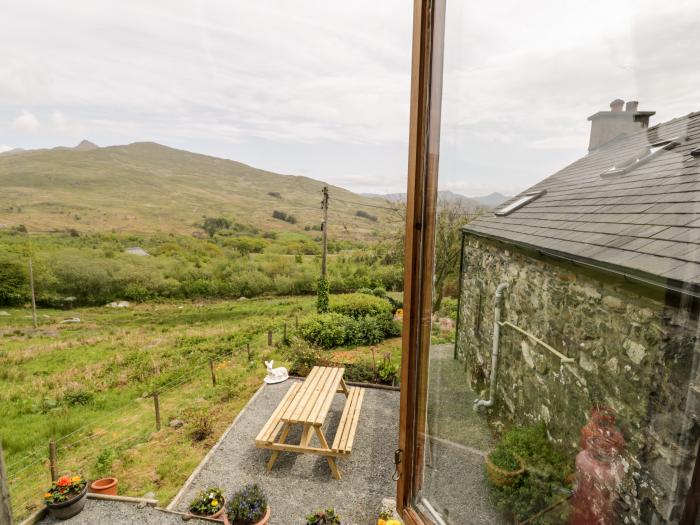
{"x":213,"y":373}
{"x":247,"y":346}
{"x":5,"y":506}
{"x":269,"y":338}
{"x":52,"y":460}
{"x":156,"y":404}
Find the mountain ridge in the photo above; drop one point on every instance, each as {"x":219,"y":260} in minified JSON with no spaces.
{"x":146,"y":187}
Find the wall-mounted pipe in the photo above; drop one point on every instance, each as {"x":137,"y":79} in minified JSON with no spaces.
{"x":478,"y":403}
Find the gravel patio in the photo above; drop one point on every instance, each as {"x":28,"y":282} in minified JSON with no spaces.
{"x":299,"y":484}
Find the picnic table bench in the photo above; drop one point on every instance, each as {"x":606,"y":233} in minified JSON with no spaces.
{"x":307,"y":404}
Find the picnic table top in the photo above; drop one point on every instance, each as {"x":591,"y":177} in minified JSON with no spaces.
{"x":312,"y":400}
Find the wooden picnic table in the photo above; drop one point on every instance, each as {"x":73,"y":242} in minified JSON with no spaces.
{"x":307,"y":404}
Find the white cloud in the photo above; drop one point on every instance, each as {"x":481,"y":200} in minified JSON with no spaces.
{"x":26,"y":123}
{"x":58,"y":120}
{"x":5,"y":147}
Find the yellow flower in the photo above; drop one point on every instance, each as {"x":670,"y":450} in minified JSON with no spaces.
{"x":47,"y":495}
{"x":214,"y":503}
{"x":393,"y":522}
{"x":75,"y":479}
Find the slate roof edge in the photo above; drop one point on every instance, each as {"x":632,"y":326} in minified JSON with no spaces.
{"x":645,"y":278}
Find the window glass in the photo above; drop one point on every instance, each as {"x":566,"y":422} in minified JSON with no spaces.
{"x":563,"y":359}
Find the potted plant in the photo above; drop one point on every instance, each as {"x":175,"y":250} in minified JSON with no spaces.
{"x":386,"y":517}
{"x":107,"y":486}
{"x":248,"y":506}
{"x":323,"y":517}
{"x":66,"y":497}
{"x":503,"y":467}
{"x":209,"y":502}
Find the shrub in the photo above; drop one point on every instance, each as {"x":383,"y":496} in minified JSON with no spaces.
{"x":78,"y":397}
{"x":323,"y":517}
{"x":207,"y":502}
{"x":322,"y":295}
{"x":367,"y":331}
{"x":504,"y":459}
{"x":366,"y":291}
{"x":283,"y":216}
{"x":379,"y":292}
{"x":201,"y":426}
{"x":212,"y":225}
{"x":246,"y":506}
{"x":302,"y":356}
{"x":275,"y":194}
{"x":358,"y":305}
{"x":327,"y":330}
{"x":104,"y":461}
{"x":360,"y":372}
{"x":365,"y":215}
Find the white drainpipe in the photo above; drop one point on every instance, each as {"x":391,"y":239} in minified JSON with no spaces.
{"x":494,"y":351}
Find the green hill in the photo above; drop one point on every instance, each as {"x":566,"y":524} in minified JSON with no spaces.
{"x":145,"y":187}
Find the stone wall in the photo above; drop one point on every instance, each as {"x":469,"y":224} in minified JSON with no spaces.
{"x":633,"y":347}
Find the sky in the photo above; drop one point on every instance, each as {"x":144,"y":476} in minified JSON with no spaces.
{"x":322,"y":88}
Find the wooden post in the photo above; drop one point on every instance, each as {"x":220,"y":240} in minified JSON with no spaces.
{"x":31,"y":287}
{"x":5,"y":506}
{"x":325,"y":232}
{"x":247,"y":346}
{"x":269,"y":338}
{"x":52,"y":460}
{"x":213,"y":373}
{"x":156,"y":404}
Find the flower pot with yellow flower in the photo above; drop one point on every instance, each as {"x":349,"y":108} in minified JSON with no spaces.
{"x":66,"y":497}
{"x":209,"y":502}
{"x":386,"y":517}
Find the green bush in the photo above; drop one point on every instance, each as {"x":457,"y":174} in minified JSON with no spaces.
{"x":14,"y":281}
{"x":379,"y":291}
{"x":327,"y":330}
{"x":366,"y":291}
{"x":358,"y":305}
{"x":360,"y":372}
{"x":302,"y":356}
{"x":367,"y":331}
{"x":322,"y":294}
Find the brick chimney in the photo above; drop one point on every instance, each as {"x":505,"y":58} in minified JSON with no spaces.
{"x":608,"y":125}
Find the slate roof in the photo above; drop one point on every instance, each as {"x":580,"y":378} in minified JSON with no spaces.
{"x":646,"y":220}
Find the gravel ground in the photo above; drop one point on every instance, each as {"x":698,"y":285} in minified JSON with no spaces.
{"x":299,"y":484}
{"x":459,"y":438}
{"x":97,"y":512}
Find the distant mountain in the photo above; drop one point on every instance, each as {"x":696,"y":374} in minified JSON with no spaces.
{"x":145,"y":187}
{"x":492,"y":200}
{"x":468,"y":203}
{"x":86,"y":145}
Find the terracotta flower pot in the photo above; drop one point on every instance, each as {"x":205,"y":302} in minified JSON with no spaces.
{"x":217,"y":515}
{"x":263,"y":521}
{"x":105,"y":486}
{"x":501,"y":477}
{"x":68,"y":509}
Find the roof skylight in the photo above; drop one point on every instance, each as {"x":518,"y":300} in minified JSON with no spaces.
{"x":519,"y":203}
{"x":635,"y":161}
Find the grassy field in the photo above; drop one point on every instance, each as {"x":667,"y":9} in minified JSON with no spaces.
{"x":87,"y":385}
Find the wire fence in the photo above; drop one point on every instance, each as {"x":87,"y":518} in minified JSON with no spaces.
{"x":28,"y":475}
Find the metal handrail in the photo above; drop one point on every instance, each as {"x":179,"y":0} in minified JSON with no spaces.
{"x":562,"y":357}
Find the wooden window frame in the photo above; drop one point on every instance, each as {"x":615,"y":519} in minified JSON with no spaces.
{"x":421,"y":204}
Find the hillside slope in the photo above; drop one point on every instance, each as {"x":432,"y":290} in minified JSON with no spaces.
{"x":145,"y":187}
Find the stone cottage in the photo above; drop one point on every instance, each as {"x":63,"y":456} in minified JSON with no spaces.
{"x":599,"y":267}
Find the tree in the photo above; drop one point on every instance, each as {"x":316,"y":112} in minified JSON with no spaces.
{"x":452,"y":216}
{"x":13,"y":281}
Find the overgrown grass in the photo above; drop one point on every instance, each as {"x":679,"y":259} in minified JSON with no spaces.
{"x":91,"y":381}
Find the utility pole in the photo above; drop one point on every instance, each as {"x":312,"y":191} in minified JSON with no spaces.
{"x":325,"y":232}
{"x":31,"y":286}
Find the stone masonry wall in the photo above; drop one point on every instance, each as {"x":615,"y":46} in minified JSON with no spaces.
{"x":633,"y":351}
